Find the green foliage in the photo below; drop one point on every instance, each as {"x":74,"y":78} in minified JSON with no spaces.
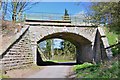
{"x":107,"y":13}
{"x":48,"y":49}
{"x":67,"y":52}
{"x":106,"y":70}
{"x":68,"y":49}
{"x":112,"y":39}
{"x":82,"y":66}
{"x":48,"y":45}
{"x":62,"y":58}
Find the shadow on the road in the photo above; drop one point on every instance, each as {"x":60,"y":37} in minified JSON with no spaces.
{"x":49,"y":63}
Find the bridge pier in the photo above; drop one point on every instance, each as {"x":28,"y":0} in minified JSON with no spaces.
{"x":84,"y":53}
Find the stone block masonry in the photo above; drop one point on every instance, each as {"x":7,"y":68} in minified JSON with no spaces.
{"x":90,"y":42}
{"x":18,"y":54}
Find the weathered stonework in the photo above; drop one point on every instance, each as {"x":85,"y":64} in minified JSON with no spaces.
{"x":18,"y":54}
{"x":90,"y":42}
{"x":90,"y":46}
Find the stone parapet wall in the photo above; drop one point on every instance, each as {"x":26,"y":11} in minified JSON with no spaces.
{"x":18,"y":54}
{"x":105,"y":42}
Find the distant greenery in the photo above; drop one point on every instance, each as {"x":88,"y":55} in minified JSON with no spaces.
{"x":66,"y":52}
{"x":48,"y":48}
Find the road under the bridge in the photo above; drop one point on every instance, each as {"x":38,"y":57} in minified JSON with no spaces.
{"x":55,"y":71}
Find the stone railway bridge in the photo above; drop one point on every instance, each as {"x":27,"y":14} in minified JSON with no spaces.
{"x":90,"y":42}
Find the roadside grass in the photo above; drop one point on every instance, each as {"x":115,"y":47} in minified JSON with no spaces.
{"x":82,"y":66}
{"x":88,"y":70}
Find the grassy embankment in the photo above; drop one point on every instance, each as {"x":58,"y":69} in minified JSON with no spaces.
{"x":61,"y":58}
{"x":104,"y":70}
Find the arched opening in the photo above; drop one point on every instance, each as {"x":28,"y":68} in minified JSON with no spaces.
{"x":58,"y":51}
{"x":82,"y":47}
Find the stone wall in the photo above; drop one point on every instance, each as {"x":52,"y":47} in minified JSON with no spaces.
{"x":18,"y":54}
{"x":105,"y":43}
{"x":100,"y":43}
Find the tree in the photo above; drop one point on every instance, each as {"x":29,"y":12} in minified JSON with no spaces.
{"x":68,"y":49}
{"x":107,"y":14}
{"x":16,"y":9}
{"x":48,"y":48}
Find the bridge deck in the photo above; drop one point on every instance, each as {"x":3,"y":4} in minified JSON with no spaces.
{"x":50,"y":21}
{"x":57,"y":23}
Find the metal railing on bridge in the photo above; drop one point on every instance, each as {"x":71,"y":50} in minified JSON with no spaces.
{"x":74,"y":19}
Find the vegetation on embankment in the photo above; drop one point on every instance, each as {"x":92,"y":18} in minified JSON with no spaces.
{"x":112,"y":39}
{"x":108,"y":69}
{"x":105,"y":70}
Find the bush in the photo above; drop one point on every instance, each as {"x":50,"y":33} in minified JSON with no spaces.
{"x":82,"y":66}
{"x":106,"y":70}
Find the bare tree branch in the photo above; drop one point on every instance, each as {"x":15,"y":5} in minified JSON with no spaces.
{"x":15,"y":9}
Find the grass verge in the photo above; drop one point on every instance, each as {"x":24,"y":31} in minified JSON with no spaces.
{"x":106,"y":70}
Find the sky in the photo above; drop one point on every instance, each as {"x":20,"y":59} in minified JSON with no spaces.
{"x":59,"y":7}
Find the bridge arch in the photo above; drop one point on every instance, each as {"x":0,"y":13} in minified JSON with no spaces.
{"x":83,"y":45}
{"x":70,"y":36}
